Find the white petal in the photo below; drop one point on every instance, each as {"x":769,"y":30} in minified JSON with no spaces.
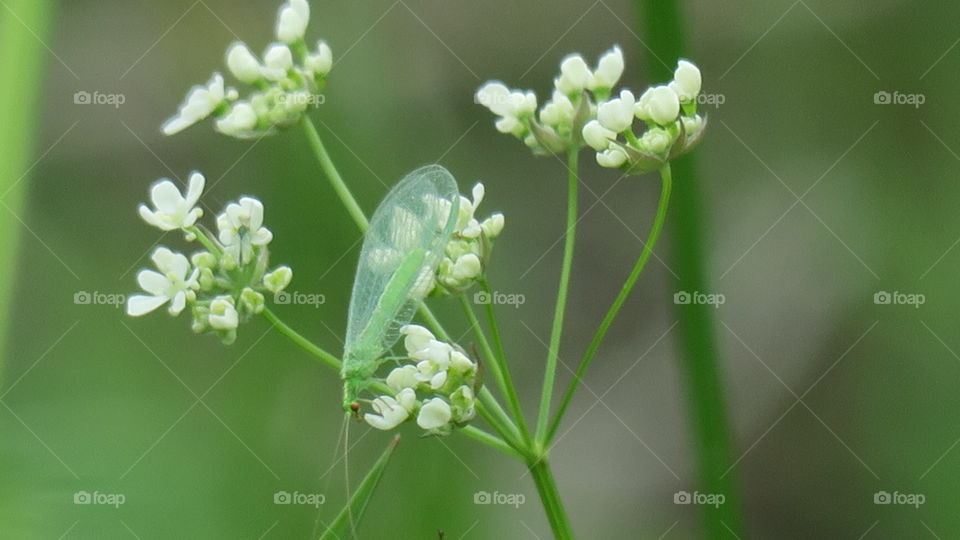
{"x":154,"y":283}
{"x":195,"y":188}
{"x":139,"y":304}
{"x":434,"y":414}
{"x":178,"y":303}
{"x":166,"y":197}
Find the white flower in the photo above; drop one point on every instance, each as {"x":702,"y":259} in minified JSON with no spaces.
{"x":434,"y":414}
{"x":612,"y":157}
{"x":559,"y":110}
{"x":686,"y":81}
{"x":200,"y":103}
{"x":656,"y":140}
{"x":417,"y":337}
{"x":403,"y":377}
{"x":662,"y":105}
{"x":278,"y":60}
{"x":617,"y":114}
{"x":438,"y":380}
{"x":575,"y":75}
{"x":241,"y":228}
{"x":504,"y":102}
{"x":320,"y":62}
{"x":173,"y":210}
{"x":243,"y":64}
{"x":597,"y":136}
{"x":241,"y":120}
{"x":493,"y":225}
{"x":390,"y":413}
{"x":609,"y":70}
{"x":292,"y":21}
{"x":434,"y":357}
{"x":171,"y":284}
{"x":467,"y":267}
{"x":278,"y":280}
{"x":223,"y":314}
{"x":467,"y":225}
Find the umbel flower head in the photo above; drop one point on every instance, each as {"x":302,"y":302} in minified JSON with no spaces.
{"x":434,"y":384}
{"x":283,"y":86}
{"x":470,"y":247}
{"x":670,"y":125}
{"x":556,"y":128}
{"x":222,"y":284}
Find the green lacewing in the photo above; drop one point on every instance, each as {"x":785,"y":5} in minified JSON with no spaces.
{"x":401,"y":251}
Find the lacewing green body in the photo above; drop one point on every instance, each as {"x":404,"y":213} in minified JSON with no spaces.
{"x":401,"y":251}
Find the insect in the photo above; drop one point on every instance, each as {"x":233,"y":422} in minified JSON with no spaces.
{"x":401,"y":251}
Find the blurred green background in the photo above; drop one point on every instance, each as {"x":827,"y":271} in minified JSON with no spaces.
{"x":834,"y":397}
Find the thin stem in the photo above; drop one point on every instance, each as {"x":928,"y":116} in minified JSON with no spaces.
{"x":550,"y":496}
{"x":555,"y":334}
{"x":511,"y":437}
{"x":205,"y":240}
{"x":346,"y":197}
{"x":325,"y":358}
{"x":497,"y":366}
{"x":490,"y":440}
{"x":501,"y":419}
{"x":666,"y":182}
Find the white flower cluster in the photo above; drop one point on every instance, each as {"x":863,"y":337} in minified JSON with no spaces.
{"x":223,"y":284}
{"x":436,"y":387}
{"x":558,"y":125}
{"x":672,"y":126}
{"x":286,"y":83}
{"x":470,"y":247}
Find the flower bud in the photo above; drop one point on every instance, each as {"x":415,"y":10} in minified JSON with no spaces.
{"x":223,"y":314}
{"x":617,"y":114}
{"x":291,"y":25}
{"x":251,"y":301}
{"x":278,"y":60}
{"x":663,"y":105}
{"x":320,"y":62}
{"x":597,"y":136}
{"x":493,"y":225}
{"x":434,"y":414}
{"x":241,"y":120}
{"x":612,"y":158}
{"x":278,"y":280}
{"x":243,"y":64}
{"x":575,"y":75}
{"x":686,"y":81}
{"x":609,"y":69}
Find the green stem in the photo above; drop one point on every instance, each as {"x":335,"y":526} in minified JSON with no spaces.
{"x":325,"y":358}
{"x":666,"y":182}
{"x":333,"y":175}
{"x":498,"y":366}
{"x":23,"y":31}
{"x":666,"y":42}
{"x":490,"y":440}
{"x":553,"y":352}
{"x":550,"y":496}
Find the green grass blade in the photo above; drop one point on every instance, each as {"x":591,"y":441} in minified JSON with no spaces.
{"x":346,"y":520}
{"x":23,"y":26}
